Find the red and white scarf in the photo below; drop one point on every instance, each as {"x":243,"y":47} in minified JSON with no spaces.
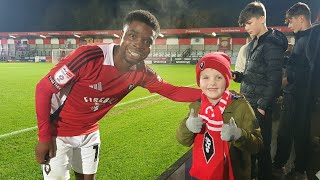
{"x":210,"y":156}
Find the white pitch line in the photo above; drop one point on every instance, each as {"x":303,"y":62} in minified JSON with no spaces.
{"x":17,"y":132}
{"x":121,"y":104}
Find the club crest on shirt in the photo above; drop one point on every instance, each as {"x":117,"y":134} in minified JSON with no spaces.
{"x":208,"y":146}
{"x":131,"y":86}
{"x":63,"y":75}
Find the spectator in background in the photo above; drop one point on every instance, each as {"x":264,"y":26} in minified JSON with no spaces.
{"x":313,"y":55}
{"x":242,"y":58}
{"x":223,"y":146}
{"x":276,"y":111}
{"x":84,"y":86}
{"x":294,"y":122}
{"x":261,"y":79}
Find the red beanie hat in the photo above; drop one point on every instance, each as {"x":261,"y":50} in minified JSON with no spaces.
{"x":217,"y":60}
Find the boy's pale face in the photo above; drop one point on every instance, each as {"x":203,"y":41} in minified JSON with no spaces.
{"x":295,"y":24}
{"x":212,"y":84}
{"x":254,"y":26}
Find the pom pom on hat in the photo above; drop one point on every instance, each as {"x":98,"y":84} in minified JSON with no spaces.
{"x":217,"y":60}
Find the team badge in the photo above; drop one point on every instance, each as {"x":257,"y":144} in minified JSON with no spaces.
{"x":208,"y":146}
{"x":63,"y":75}
{"x":47,"y":168}
{"x":201,"y":65}
{"x":131,"y":86}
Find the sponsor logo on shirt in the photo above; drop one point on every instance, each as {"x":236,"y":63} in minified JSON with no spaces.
{"x":54,"y":83}
{"x":97,"y":86}
{"x":99,"y":102}
{"x":63,"y":75}
{"x":96,"y":107}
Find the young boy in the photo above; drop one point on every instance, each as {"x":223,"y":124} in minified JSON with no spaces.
{"x":223,"y":146}
{"x":84,"y":86}
{"x":261,"y":80}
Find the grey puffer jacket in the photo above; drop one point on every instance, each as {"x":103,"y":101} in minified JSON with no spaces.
{"x":261,"y":80}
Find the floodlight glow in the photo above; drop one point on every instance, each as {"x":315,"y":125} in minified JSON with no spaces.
{"x":116,"y":35}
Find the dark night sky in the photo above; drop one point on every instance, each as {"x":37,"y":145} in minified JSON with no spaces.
{"x":30,"y":15}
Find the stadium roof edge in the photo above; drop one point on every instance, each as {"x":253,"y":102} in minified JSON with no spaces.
{"x":165,"y":32}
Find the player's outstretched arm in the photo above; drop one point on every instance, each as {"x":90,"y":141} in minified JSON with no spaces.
{"x":154,"y":83}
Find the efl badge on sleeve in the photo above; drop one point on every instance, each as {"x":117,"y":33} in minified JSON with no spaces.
{"x":63,"y":75}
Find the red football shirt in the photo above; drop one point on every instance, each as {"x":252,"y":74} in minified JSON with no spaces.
{"x":85,"y":85}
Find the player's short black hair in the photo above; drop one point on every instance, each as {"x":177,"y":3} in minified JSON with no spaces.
{"x":143,"y":16}
{"x":297,"y":10}
{"x":254,"y":9}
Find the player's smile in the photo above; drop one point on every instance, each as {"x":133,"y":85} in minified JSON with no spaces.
{"x":136,"y":54}
{"x":133,"y":57}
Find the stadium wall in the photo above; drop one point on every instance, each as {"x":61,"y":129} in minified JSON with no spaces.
{"x":176,"y":45}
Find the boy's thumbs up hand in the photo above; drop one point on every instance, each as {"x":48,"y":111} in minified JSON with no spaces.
{"x":194,"y":123}
{"x":230,"y":132}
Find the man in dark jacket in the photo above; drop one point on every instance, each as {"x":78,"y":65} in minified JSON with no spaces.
{"x":313,"y":55}
{"x":294,"y":123}
{"x":261,"y":80}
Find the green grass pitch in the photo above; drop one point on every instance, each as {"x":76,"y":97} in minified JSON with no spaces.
{"x":138,"y":139}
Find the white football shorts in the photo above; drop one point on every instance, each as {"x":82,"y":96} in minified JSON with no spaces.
{"x":81,"y":153}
